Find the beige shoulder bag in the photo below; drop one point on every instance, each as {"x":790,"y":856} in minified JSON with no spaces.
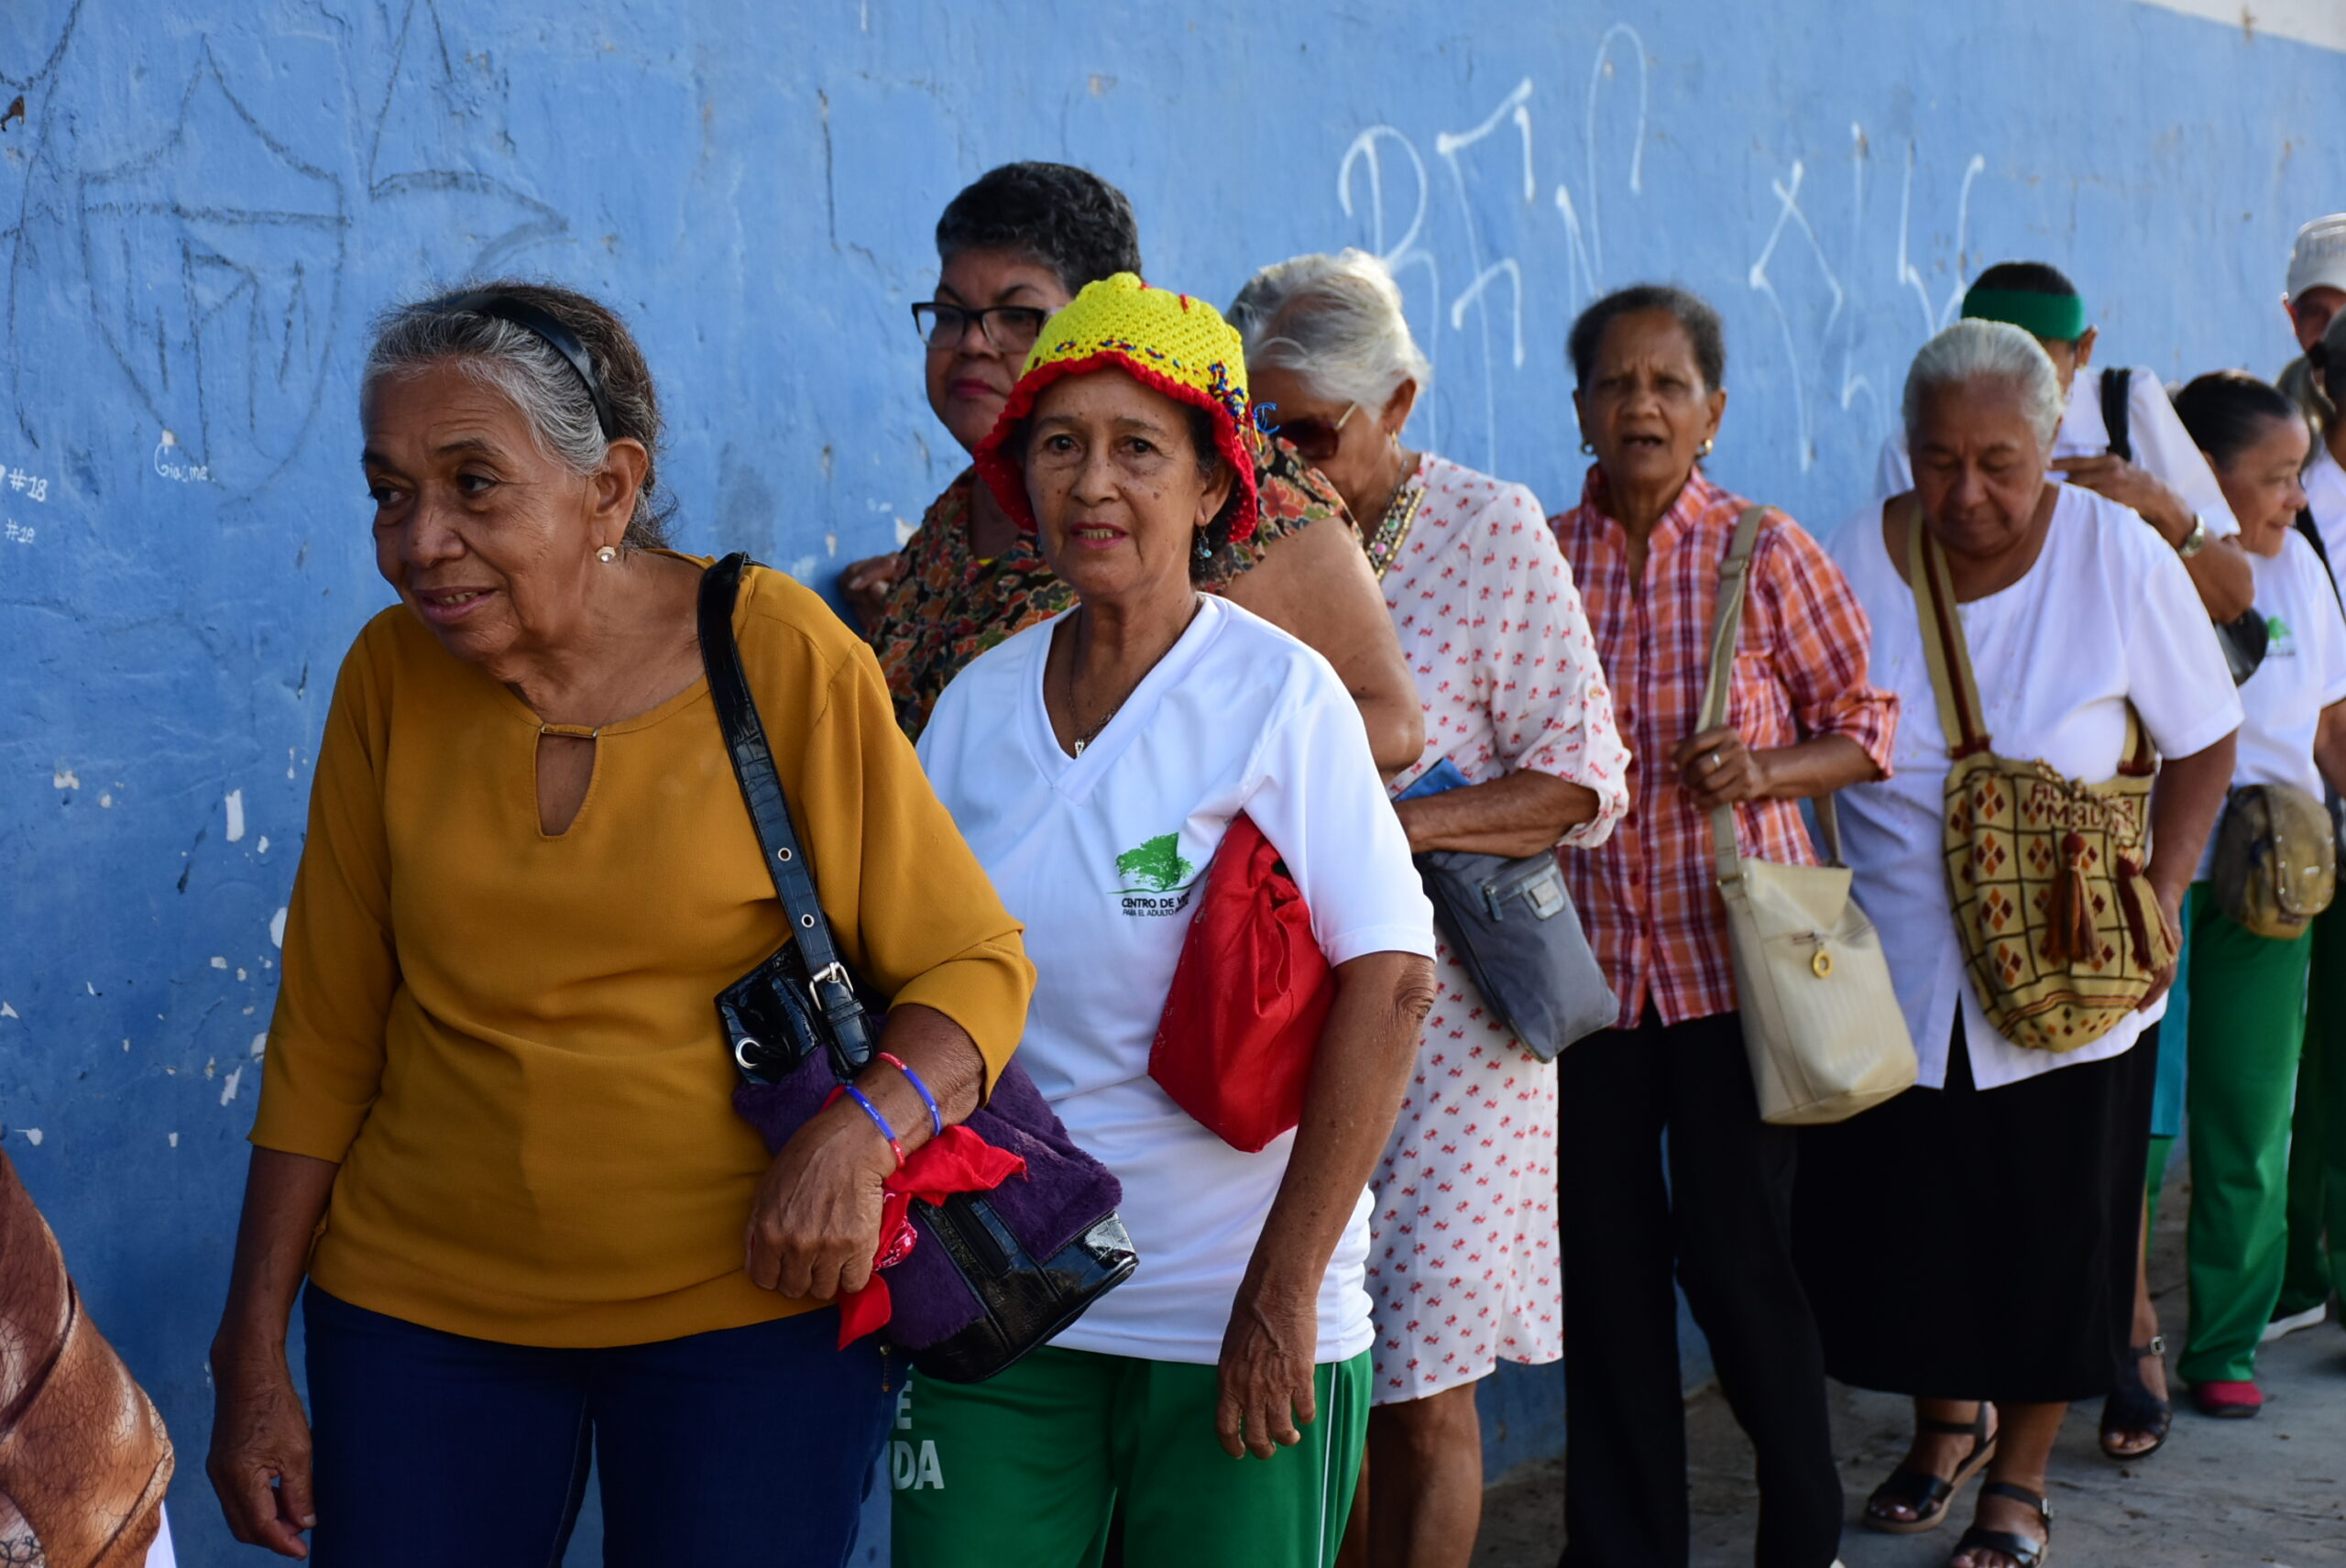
{"x":1821,"y":1022}
{"x":2060,"y":930}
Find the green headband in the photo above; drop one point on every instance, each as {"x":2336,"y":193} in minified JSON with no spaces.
{"x":2056,"y":318}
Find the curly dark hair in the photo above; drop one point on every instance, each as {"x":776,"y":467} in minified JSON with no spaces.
{"x":1068,"y":219}
{"x":1693,"y":312}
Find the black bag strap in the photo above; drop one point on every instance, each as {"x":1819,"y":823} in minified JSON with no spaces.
{"x":786,"y":858}
{"x":2117,"y":388}
{"x":2312,"y":530}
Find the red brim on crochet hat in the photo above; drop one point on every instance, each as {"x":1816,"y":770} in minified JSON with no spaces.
{"x":1005,"y":476}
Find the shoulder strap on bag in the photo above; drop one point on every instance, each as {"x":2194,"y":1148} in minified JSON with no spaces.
{"x":2312,"y":530}
{"x":1961,"y":718}
{"x":2117,"y":388}
{"x":1727,"y":626}
{"x":786,"y":858}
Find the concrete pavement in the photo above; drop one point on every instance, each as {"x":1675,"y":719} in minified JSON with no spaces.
{"x":2269,"y":1490}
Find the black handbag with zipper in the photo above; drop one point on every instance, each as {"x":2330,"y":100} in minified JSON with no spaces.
{"x":991,"y":1275}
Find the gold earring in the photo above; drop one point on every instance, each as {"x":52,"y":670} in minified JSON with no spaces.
{"x":606,"y":554}
{"x":1707,"y":445}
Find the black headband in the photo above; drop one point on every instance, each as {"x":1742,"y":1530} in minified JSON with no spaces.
{"x":558,"y":337}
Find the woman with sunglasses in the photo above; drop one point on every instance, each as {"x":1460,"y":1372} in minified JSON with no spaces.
{"x":1462,"y":1263}
{"x":1013,"y":248}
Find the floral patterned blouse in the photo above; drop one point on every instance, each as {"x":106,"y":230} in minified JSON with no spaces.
{"x":949,"y":605}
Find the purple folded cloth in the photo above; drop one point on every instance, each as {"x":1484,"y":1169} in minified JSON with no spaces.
{"x":1063,"y":1194}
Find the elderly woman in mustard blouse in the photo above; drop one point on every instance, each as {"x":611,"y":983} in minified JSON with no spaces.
{"x":494,"y":1129}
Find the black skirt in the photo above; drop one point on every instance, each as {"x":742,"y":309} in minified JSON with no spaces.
{"x":1967,"y":1244}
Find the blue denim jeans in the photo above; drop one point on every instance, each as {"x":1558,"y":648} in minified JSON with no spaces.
{"x":723,"y":1450}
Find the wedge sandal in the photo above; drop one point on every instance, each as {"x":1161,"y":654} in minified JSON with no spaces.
{"x":2133,"y":1407}
{"x":1930,"y":1496}
{"x":2021,"y":1549}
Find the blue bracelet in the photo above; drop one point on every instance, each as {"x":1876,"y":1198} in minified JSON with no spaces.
{"x":887,"y":1132}
{"x":936,"y":1116}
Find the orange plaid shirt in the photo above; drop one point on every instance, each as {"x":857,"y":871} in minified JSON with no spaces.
{"x":1648,"y":895}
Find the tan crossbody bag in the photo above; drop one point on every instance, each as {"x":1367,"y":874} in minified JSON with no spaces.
{"x":1821,"y":1021}
{"x":2060,"y":930}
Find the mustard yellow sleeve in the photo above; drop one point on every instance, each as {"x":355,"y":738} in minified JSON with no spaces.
{"x":324,"y":1060}
{"x":927,"y":926}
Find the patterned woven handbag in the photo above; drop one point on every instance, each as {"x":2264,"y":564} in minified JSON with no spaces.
{"x":2061,"y":932}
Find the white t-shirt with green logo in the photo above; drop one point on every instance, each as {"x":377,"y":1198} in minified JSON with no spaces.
{"x":2304,"y":672}
{"x":1101,"y":856}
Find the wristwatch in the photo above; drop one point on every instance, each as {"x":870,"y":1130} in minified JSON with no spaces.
{"x":2194,"y":542}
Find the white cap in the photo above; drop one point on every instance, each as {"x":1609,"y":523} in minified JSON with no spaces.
{"x":2319,"y":259}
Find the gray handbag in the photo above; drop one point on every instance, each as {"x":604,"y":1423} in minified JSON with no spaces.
{"x":1511,"y":922}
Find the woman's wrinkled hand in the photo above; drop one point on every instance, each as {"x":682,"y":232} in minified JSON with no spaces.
{"x":1267,"y":1367}
{"x":2130,"y":485}
{"x":816,"y":1224}
{"x":865,"y":585}
{"x":1718,"y":769}
{"x":259,"y":1462}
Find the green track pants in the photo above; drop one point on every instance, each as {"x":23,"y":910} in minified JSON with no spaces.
{"x":2318,"y":1134}
{"x":2248,"y":1021}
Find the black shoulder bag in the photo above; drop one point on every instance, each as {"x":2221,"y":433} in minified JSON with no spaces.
{"x":990,"y":1276}
{"x":2244,"y":641}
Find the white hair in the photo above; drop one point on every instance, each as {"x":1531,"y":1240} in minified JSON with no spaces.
{"x":1984,"y":350}
{"x":1335,"y":321}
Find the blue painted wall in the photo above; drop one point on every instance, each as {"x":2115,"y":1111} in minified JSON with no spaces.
{"x":201,"y":204}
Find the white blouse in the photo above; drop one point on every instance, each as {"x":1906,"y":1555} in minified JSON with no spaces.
{"x":2106,"y":615}
{"x":1101,"y":856}
{"x":1484,"y":603}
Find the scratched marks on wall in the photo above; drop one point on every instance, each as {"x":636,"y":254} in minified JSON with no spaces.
{"x":1517,"y":249}
{"x":439,"y":105}
{"x":214,"y":261}
{"x":213,"y":250}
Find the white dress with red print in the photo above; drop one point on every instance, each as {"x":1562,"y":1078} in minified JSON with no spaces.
{"x":1462,"y":1257}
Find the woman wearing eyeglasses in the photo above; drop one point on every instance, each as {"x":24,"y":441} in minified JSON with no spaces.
{"x":1013,"y":248}
{"x":1462,"y":1266}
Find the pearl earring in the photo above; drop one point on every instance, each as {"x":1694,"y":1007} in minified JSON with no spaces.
{"x":606,"y":554}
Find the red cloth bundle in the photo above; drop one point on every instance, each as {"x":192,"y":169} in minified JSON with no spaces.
{"x":959,"y":1161}
{"x":1250,"y":995}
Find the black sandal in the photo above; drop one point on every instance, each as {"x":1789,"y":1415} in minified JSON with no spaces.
{"x":2022,"y":1550}
{"x":2133,"y":1407}
{"x":1929,"y":1496}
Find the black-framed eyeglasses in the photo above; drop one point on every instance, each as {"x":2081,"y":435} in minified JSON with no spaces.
{"x":1315,"y":440}
{"x":1010,"y":328}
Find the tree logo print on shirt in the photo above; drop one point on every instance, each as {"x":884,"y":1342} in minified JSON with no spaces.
{"x":1156,"y":864}
{"x":2280,"y":641}
{"x":1156,"y":878}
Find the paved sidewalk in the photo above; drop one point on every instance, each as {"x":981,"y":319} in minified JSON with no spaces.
{"x":2270,"y":1490}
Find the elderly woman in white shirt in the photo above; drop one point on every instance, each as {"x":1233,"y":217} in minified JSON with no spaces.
{"x":1523,"y":755}
{"x":1971,"y":1243}
{"x":2144,"y":460}
{"x":2317,"y":1271}
{"x":2248,"y":1014}
{"x":1095,"y":763}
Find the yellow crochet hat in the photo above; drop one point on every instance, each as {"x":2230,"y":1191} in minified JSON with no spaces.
{"x":1177,"y":343}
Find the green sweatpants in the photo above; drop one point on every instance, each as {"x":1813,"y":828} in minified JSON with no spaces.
{"x":2318,"y":1135}
{"x":2247,"y":1029}
{"x":1022,"y":1471}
